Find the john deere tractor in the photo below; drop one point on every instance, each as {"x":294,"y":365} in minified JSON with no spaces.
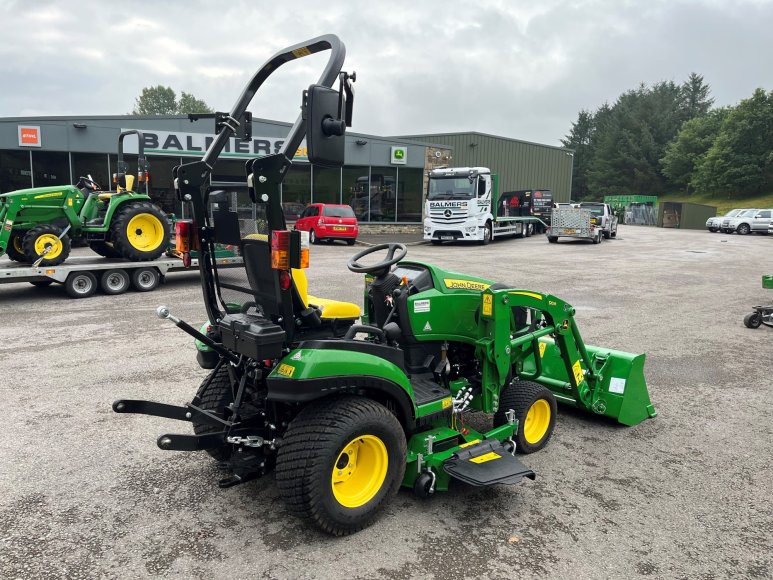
{"x":346,"y":406}
{"x":38,"y":223}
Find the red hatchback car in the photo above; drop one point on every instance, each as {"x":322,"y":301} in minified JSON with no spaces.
{"x":327,"y":221}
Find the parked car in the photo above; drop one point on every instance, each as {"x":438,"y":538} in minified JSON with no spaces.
{"x":603,"y":217}
{"x":746,"y":222}
{"x":714,"y":224}
{"x":292,"y":210}
{"x":326,"y":221}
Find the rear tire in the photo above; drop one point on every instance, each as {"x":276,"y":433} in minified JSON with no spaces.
{"x":535,"y":408}
{"x":114,"y":282}
{"x":351,"y":242}
{"x":326,"y":440}
{"x":80,"y":284}
{"x":215,"y":397}
{"x":743,"y":229}
{"x":139,"y":231}
{"x":553,"y":239}
{"x":614,"y":234}
{"x":42,"y":283}
{"x":752,"y":320}
{"x":39,"y":238}
{"x":15,"y":249}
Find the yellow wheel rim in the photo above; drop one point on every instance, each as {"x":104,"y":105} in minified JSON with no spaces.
{"x":17,"y":244}
{"x":537,"y":421}
{"x":48,"y":241}
{"x":360,"y":471}
{"x":145,"y":232}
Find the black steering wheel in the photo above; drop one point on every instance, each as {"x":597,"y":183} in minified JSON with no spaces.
{"x":381,"y":267}
{"x":87,"y":182}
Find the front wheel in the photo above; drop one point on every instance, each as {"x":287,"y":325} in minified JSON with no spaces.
{"x":487,"y":234}
{"x":313,"y":237}
{"x":341,"y":461}
{"x":535,"y":408}
{"x":744,"y":229}
{"x":752,"y":320}
{"x":15,"y":249}
{"x":46,"y":240}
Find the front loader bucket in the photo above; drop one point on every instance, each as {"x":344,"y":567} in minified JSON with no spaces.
{"x":621,"y":394}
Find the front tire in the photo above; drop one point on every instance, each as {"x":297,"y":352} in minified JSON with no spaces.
{"x":488,"y":234}
{"x":15,"y":249}
{"x":139,"y":231}
{"x":46,"y":237}
{"x":535,"y":408}
{"x":313,"y":237}
{"x":752,"y":320}
{"x":743,"y":229}
{"x":341,"y":461}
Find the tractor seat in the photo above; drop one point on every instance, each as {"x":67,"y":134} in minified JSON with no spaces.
{"x":329,"y":309}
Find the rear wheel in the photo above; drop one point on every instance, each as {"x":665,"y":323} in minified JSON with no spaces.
{"x":45,"y":239}
{"x":341,"y":461}
{"x":552,"y":239}
{"x":713,"y":230}
{"x":80,"y":284}
{"x":351,"y":242}
{"x":15,"y":249}
{"x":743,"y":229}
{"x":115,"y":282}
{"x":139,"y":231}
{"x":535,"y":409}
{"x":215,"y":395}
{"x":42,"y":283}
{"x":753,"y":320}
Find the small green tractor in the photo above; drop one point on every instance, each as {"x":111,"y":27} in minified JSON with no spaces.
{"x":37,"y":225}
{"x":348,"y":406}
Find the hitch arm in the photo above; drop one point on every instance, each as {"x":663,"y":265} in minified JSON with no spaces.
{"x":164,"y":313}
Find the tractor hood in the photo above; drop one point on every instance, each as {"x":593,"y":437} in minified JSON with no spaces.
{"x":41,"y":194}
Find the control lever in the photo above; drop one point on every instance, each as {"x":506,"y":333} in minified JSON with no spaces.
{"x":163,"y":312}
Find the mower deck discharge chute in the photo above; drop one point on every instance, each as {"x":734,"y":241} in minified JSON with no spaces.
{"x":344,"y":405}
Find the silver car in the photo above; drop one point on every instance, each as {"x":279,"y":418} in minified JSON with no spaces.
{"x":713,"y":224}
{"x":746,"y":222}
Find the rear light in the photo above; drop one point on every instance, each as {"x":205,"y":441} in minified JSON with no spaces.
{"x":183,"y":235}
{"x":284,"y":279}
{"x":304,"y":249}
{"x":280,"y":249}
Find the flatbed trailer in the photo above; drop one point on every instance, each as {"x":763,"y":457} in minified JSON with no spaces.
{"x":82,"y":276}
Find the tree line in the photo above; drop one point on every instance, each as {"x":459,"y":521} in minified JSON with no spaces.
{"x":668,"y":138}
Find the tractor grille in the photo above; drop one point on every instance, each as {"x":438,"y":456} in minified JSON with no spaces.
{"x":449,"y":215}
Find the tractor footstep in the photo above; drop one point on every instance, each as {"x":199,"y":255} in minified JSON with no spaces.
{"x":486,"y":463}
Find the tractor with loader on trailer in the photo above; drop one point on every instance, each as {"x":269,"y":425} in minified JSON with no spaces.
{"x":345,"y":421}
{"x":464,"y":204}
{"x":115,"y":224}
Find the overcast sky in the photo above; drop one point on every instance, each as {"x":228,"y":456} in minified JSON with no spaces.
{"x":513,"y":68}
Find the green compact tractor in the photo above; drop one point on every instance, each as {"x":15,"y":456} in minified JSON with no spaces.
{"x":348,"y":406}
{"x":38,"y":223}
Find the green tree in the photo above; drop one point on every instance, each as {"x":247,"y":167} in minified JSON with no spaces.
{"x":740,"y":160}
{"x":190,"y":104}
{"x":160,"y":100}
{"x":688,"y":150}
{"x":695,"y":97}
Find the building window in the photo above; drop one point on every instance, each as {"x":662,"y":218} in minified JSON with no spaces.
{"x":409,"y":194}
{"x":161,"y":184}
{"x":383,"y":194}
{"x":296,"y":191}
{"x":15,"y":171}
{"x":94,"y":164}
{"x":355,"y":190}
{"x":327,"y":185}
{"x":51,"y":168}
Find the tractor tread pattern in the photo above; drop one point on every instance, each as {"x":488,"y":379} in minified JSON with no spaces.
{"x":29,"y":245}
{"x":214,"y":397}
{"x":303,"y":448}
{"x":519,"y":396}
{"x":120,"y":223}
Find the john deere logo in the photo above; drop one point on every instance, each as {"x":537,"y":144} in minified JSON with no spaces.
{"x":399,"y":155}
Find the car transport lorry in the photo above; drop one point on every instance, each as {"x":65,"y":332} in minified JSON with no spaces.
{"x":464,"y":203}
{"x":345,"y":405}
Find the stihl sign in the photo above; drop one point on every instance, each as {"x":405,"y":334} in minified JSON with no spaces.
{"x":29,"y":136}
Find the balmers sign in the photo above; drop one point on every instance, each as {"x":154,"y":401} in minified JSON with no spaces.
{"x":195,"y":144}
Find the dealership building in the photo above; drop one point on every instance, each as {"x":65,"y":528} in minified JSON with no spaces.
{"x":383,"y":178}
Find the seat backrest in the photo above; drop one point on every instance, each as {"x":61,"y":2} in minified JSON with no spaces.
{"x":256,"y":254}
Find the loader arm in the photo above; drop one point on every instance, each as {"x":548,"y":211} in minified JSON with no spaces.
{"x":603,"y":381}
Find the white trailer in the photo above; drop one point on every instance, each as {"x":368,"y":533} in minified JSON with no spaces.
{"x":573,"y":222}
{"x":82,"y":276}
